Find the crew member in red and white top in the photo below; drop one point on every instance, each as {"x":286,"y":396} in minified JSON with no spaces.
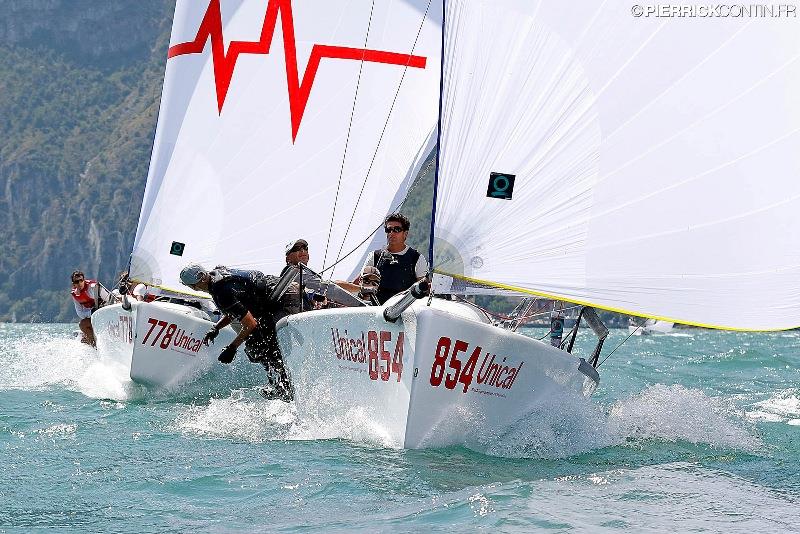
{"x":87,"y":296}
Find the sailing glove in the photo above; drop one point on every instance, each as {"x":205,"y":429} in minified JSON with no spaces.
{"x":211,"y":336}
{"x":227,"y":354}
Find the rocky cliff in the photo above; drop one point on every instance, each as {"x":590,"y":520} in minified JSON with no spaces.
{"x":80,"y":83}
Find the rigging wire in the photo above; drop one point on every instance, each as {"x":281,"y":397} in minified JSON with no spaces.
{"x":504,"y":317}
{"x":618,"y":346}
{"x":416,"y":184}
{"x":378,"y":227}
{"x":347,"y":140}
{"x":380,"y":141}
{"x":435,"y":195}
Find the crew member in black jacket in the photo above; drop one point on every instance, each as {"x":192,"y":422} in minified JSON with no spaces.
{"x":400,"y":265}
{"x":244,"y":296}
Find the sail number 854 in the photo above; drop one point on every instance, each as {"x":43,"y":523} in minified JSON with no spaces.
{"x":457,"y":370}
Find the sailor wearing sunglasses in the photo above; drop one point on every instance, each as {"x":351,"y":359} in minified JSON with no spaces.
{"x":400,"y":266}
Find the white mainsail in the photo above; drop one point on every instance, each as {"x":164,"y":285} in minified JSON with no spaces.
{"x":266,"y":105}
{"x":656,"y":159}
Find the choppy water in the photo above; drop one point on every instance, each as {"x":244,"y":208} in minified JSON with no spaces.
{"x":694,"y":432}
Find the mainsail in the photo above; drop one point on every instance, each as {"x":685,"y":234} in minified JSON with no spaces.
{"x":643,"y":164}
{"x":278,"y":117}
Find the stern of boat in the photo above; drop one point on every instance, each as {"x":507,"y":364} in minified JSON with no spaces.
{"x":160,"y":342}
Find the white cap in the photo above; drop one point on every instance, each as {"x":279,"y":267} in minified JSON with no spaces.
{"x":291,"y":244}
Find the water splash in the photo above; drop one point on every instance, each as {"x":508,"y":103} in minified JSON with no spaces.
{"x":562,"y":427}
{"x":52,"y":357}
{"x":676,"y":413}
{"x":242,"y":416}
{"x":571,"y":425}
{"x":43,"y":359}
{"x":245,"y":416}
{"x":780,"y":407}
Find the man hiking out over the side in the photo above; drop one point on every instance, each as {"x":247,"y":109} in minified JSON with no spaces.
{"x":400,"y":266}
{"x":244,"y":296}
{"x":88,"y":296}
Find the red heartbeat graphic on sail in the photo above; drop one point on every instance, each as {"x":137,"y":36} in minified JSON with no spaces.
{"x":224,"y":64}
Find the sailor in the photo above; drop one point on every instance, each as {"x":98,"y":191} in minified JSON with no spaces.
{"x":88,"y":297}
{"x":315,"y":291}
{"x":367,"y":287}
{"x":291,"y":302}
{"x":400,"y":266}
{"x":244,"y":296}
{"x":296,"y":253}
{"x":135,"y":291}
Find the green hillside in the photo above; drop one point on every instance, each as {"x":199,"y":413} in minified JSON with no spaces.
{"x":80,"y":84}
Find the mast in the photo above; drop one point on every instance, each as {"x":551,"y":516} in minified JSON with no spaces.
{"x":438,"y":143}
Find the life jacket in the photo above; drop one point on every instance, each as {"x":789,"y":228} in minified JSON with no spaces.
{"x":398,"y":272}
{"x":85,"y":298}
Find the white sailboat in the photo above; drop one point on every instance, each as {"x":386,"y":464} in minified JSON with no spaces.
{"x":252,"y":139}
{"x":651,"y":326}
{"x":641,"y":164}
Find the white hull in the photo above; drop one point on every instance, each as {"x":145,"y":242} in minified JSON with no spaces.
{"x":159,"y":342}
{"x":439,"y":376}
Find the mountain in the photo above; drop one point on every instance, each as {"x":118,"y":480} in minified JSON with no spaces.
{"x":80,"y":83}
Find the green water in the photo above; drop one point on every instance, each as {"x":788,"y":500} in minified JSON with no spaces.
{"x":697,"y":431}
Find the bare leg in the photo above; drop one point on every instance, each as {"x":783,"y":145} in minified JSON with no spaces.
{"x":88,"y":332}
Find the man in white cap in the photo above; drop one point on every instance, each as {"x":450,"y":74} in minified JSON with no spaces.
{"x":296,"y":253}
{"x":244,"y":296}
{"x":291,"y":303}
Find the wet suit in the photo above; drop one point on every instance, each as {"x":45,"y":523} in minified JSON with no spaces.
{"x":235,"y":292}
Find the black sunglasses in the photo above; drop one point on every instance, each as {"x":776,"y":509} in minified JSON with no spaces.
{"x":78,"y":281}
{"x":395,"y":229}
{"x":299,"y":248}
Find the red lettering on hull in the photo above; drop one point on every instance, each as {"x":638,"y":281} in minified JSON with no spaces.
{"x":168,"y":336}
{"x":456,"y":371}
{"x":373,"y":349}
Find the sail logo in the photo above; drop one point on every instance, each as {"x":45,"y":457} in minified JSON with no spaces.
{"x":493,"y":371}
{"x":501,"y":186}
{"x":373,"y":349}
{"x":299,"y":91}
